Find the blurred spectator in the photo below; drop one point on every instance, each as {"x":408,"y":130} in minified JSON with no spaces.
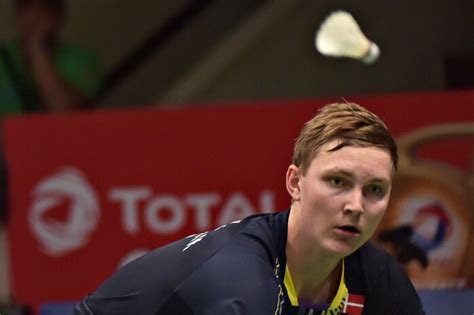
{"x":41,"y":73}
{"x":38,"y":71}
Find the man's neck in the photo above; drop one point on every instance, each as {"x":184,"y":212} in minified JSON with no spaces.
{"x":315,"y":273}
{"x":314,"y":282}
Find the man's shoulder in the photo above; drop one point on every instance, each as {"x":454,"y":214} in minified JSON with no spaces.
{"x":374,"y":260}
{"x":240,"y":250}
{"x":373,"y":251}
{"x":225,"y":262}
{"x":371,"y":270}
{"x":240,"y":275}
{"x":251,"y":234}
{"x":383,"y":281}
{"x":225,"y":246}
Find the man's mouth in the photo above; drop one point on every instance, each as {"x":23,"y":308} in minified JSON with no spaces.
{"x":348,"y":229}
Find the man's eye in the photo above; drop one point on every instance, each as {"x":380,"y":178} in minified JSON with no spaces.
{"x":375,"y":190}
{"x":336,"y":181}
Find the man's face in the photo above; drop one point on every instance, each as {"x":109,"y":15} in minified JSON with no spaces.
{"x":342,"y":198}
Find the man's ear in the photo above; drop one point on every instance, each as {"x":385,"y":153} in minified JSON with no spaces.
{"x":293,"y":182}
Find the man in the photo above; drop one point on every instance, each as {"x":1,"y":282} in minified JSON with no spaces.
{"x":310,"y":259}
{"x":38,"y":71}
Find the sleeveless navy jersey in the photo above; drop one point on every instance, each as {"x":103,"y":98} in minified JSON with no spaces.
{"x":239,"y":268}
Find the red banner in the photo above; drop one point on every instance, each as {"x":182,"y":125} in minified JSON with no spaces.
{"x":93,"y":190}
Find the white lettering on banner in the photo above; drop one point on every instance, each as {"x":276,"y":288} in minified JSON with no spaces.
{"x":139,"y":207}
{"x":237,"y":206}
{"x":160,"y":225}
{"x":202,"y":203}
{"x":130,"y":196}
{"x":267,"y":202}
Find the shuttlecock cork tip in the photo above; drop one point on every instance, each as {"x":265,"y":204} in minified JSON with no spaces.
{"x":372,"y":54}
{"x":340,"y":36}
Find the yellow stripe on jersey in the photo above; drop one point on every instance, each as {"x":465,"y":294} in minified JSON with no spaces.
{"x":290,"y":287}
{"x":341,"y":294}
{"x":336,"y":303}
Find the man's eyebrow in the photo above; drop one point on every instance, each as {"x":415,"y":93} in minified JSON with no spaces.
{"x":346,"y":173}
{"x":380,"y":180}
{"x":338,"y":171}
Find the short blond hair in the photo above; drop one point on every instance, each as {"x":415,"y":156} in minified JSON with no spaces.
{"x":350,"y":123}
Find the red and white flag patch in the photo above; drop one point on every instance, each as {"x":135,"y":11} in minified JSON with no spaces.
{"x":354,"y":304}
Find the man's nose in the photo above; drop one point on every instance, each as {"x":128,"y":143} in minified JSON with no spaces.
{"x":355,"y":202}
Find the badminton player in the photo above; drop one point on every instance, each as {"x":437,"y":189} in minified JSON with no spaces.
{"x":313,"y":258}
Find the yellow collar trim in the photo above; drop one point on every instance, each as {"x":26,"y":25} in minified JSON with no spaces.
{"x":340,"y":295}
{"x":290,"y":287}
{"x":342,"y":291}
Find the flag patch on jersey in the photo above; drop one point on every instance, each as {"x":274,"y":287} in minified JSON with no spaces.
{"x":354,"y":304}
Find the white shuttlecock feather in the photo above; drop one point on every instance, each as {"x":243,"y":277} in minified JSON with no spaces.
{"x":340,"y":36}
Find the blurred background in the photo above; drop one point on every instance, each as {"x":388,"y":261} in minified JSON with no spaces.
{"x":248,"y":50}
{"x":215,"y":60}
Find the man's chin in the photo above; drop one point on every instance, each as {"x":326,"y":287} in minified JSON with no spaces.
{"x":344,"y":249}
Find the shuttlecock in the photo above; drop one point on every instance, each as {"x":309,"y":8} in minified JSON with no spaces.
{"x":340,"y":36}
